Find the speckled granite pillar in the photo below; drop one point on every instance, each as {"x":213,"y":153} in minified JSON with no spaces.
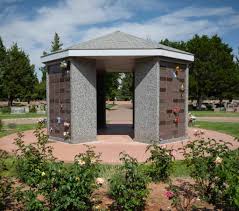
{"x":83,"y":100}
{"x":146,"y":125}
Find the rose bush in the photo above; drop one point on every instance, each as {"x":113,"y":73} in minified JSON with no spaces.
{"x":129,"y":187}
{"x":51,"y":184}
{"x":215,"y":169}
{"x":159,"y":164}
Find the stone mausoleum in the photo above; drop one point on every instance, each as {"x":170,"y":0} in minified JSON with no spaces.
{"x":75,"y":88}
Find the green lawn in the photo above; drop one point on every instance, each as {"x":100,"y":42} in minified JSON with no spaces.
{"x":231,"y":128}
{"x":214,"y":114}
{"x":16,"y":116}
{"x":106,"y":170}
{"x":110,"y":106}
{"x":18,"y":128}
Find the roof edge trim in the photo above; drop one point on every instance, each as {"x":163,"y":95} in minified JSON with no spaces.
{"x":118,"y":52}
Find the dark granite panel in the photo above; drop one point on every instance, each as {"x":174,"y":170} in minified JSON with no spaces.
{"x":171,"y":98}
{"x":59,"y":100}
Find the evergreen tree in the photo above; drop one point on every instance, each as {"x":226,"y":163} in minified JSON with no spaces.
{"x":56,"y":43}
{"x":40,"y":86}
{"x":213,"y":72}
{"x":19,"y":77}
{"x":111,"y":85}
{"x":3,"y":55}
{"x":127,"y":89}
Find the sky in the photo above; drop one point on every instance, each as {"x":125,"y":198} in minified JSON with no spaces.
{"x":32,"y":24}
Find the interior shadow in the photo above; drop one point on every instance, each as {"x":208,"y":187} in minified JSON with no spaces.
{"x":117,"y":129}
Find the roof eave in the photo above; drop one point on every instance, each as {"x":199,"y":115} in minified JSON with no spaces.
{"x":117,"y":52}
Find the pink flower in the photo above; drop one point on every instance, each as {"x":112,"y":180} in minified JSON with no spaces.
{"x":169,"y":194}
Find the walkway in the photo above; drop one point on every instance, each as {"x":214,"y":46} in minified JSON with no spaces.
{"x":109,"y":147}
{"x":113,"y":140}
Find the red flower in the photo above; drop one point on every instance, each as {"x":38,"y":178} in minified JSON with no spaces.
{"x":169,"y":194}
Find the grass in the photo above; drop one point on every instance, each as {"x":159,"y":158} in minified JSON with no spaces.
{"x":215,"y":114}
{"x":106,"y":170}
{"x":10,"y":167}
{"x":179,"y":170}
{"x":16,"y":116}
{"x":231,"y":128}
{"x":6,"y":130}
{"x":110,"y":106}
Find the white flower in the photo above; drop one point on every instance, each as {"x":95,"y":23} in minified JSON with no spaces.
{"x":43,"y":174}
{"x":81,"y":162}
{"x":41,"y":120}
{"x":218,"y":160}
{"x":65,"y":133}
{"x":66,"y":124}
{"x":198,"y":132}
{"x":100,"y":181}
{"x":93,"y":160}
{"x":63,"y":64}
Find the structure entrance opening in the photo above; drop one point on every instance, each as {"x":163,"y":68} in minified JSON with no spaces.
{"x":115,"y":103}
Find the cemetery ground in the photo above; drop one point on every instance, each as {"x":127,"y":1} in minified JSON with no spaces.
{"x":156,"y":200}
{"x":231,"y":128}
{"x":215,"y":114}
{"x":20,"y":116}
{"x":14,"y":128}
{"x":110,"y":150}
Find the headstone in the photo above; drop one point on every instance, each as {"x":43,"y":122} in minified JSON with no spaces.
{"x":41,"y":109}
{"x":17,"y":110}
{"x":27,"y":109}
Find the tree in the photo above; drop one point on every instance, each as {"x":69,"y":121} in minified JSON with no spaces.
{"x":212,"y":69}
{"x":56,"y":43}
{"x":40,"y":86}
{"x":3,"y":54}
{"x":18,"y":75}
{"x":213,"y":73}
{"x":111,"y":85}
{"x":181,"y":45}
{"x":126,"y":90}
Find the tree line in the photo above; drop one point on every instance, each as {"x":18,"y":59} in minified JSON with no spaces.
{"x":18,"y":79}
{"x":214,"y":73}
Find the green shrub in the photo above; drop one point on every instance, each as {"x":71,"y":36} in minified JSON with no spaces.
{"x":1,"y":124}
{"x":53,"y":185}
{"x":6,"y":185}
{"x":72,"y":186}
{"x":5,"y":110}
{"x":32,"y":109}
{"x":182,"y":196}
{"x":231,"y":174}
{"x":215,"y":170}
{"x":160,"y":163}
{"x":12,"y":125}
{"x":32,"y":159}
{"x":129,"y":187}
